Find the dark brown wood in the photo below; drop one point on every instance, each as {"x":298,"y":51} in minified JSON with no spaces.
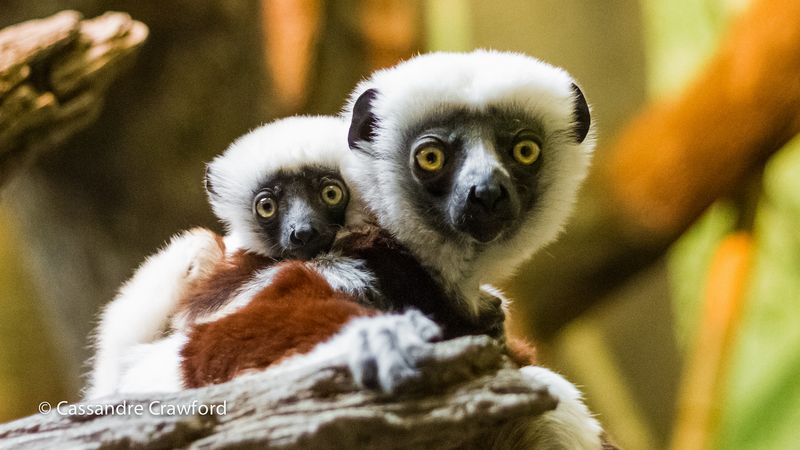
{"x":54,"y":74}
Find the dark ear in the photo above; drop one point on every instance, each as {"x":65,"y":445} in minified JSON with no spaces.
{"x":580,"y":114}
{"x":207,"y":181}
{"x":364,"y":121}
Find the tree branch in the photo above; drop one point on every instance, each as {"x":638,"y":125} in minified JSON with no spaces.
{"x":467,"y":391}
{"x":54,"y":73}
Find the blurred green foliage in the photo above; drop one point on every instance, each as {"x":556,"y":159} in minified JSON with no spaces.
{"x":762,"y":401}
{"x":763,"y":396}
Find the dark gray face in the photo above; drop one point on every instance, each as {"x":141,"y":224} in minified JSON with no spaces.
{"x":475,"y":173}
{"x":301,"y":212}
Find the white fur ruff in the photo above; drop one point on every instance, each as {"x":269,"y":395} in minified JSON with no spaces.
{"x":286,"y":145}
{"x":141,"y":311}
{"x":425,"y":86}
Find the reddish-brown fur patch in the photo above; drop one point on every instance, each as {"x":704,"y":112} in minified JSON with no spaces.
{"x":213,"y":291}
{"x":521,"y":352}
{"x":299,"y":309}
{"x":293,"y":314}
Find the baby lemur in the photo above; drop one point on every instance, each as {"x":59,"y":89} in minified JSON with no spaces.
{"x":280,"y":194}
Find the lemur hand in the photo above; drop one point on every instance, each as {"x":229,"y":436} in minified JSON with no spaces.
{"x":386,"y":351}
{"x":492,"y":316}
{"x":198,"y":250}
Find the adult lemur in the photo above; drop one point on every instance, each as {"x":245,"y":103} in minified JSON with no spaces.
{"x":469,"y":163}
{"x":279,"y":192}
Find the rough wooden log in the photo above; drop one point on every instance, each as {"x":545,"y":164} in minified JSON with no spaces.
{"x":54,"y":73}
{"x":469,"y":390}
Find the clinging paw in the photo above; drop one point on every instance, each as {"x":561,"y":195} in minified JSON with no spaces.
{"x":387,"y":350}
{"x":197,"y":251}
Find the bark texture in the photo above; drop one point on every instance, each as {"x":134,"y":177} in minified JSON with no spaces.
{"x":54,"y":73}
{"x":469,"y":392}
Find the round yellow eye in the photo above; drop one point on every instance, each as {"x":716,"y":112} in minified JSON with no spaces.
{"x":430,"y":159}
{"x":332,"y":194}
{"x":526,"y":152}
{"x":266,"y":207}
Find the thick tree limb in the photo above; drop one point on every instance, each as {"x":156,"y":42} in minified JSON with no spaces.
{"x":469,"y":390}
{"x":54,"y":73}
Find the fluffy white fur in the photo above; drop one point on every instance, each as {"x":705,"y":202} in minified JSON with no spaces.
{"x":415,"y":90}
{"x":381,"y":352}
{"x":285,"y":145}
{"x":570,"y":425}
{"x":427,"y":86}
{"x":141,"y":311}
{"x":146,"y":304}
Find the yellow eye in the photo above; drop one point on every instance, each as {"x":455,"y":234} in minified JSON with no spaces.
{"x":526,"y":152}
{"x":430,"y":159}
{"x":266,"y":207}
{"x":332,"y":194}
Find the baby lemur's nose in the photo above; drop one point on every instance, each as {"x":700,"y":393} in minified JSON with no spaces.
{"x":302,"y":235}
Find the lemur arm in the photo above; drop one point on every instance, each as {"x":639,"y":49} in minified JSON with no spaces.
{"x":296,"y":311}
{"x":299,"y":313}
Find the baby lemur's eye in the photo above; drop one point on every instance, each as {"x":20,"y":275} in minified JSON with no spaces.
{"x":430,"y":158}
{"x":526,"y":152}
{"x":265,"y":206}
{"x":332,"y":193}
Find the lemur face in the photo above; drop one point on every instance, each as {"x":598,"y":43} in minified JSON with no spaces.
{"x":471,"y":172}
{"x":473,"y":160}
{"x":299,"y":213}
{"x":279,"y":188}
{"x":474,"y":173}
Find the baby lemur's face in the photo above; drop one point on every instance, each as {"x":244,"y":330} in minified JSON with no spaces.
{"x":278,"y":189}
{"x":298,"y":213}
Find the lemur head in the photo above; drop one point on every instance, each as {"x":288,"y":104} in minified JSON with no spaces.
{"x":473,"y":160}
{"x":279,"y":190}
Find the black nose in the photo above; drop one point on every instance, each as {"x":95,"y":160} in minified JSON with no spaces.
{"x":302,"y":235}
{"x":489,"y":194}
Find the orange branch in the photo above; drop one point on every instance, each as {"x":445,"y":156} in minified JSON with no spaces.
{"x":391,"y":30}
{"x":679,"y":156}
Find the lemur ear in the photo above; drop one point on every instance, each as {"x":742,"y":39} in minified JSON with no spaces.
{"x":364,"y":121}
{"x":207,"y":181}
{"x":580,"y":114}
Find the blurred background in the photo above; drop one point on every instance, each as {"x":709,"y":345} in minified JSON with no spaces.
{"x":673,"y":298}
